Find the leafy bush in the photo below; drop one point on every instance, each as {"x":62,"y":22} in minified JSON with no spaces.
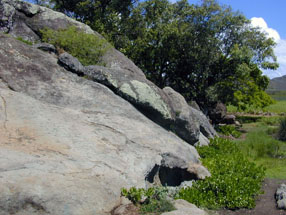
{"x":153,"y":200}
{"x":87,"y":48}
{"x":235,"y":181}
{"x":282,"y":130}
{"x":229,"y":130}
{"x":157,"y":207}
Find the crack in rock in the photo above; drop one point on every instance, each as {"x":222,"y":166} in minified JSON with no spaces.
{"x":5,"y":112}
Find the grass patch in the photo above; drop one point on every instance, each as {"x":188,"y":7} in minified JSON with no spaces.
{"x":278,"y":107}
{"x":278,"y":95}
{"x":272,"y":121}
{"x":261,"y":147}
{"x":275,"y":168}
{"x":282,"y":130}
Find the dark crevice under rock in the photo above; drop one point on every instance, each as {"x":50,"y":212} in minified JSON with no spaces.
{"x":169,"y":176}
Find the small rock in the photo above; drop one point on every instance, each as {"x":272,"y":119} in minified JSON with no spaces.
{"x":237,"y":123}
{"x":186,"y":184}
{"x":71,"y":63}
{"x":218,"y":113}
{"x":124,"y":201}
{"x":229,"y":119}
{"x":46,"y":47}
{"x":129,"y":209}
{"x":185,"y":208}
{"x":281,"y":196}
{"x":203,"y":140}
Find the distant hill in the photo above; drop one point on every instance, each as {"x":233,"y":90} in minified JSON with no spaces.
{"x":277,"y":84}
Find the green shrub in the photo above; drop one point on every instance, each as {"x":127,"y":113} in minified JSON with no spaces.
{"x":229,"y":130}
{"x":282,"y":130}
{"x":235,"y":181}
{"x":153,"y":200}
{"x":157,"y":207}
{"x":88,"y":48}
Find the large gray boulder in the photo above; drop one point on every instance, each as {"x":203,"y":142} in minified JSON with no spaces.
{"x":22,"y":19}
{"x":69,"y":144}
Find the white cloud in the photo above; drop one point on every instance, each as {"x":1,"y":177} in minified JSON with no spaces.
{"x":260,"y":22}
{"x":280,"y":49}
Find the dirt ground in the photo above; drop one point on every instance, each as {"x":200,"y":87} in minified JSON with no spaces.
{"x":265,"y":204}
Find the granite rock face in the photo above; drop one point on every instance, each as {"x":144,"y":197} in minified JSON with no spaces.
{"x":72,"y":136}
{"x":121,"y":75}
{"x":69,"y":144}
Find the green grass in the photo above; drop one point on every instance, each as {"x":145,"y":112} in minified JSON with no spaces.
{"x":275,"y":168}
{"x":261,"y":147}
{"x":278,"y":95}
{"x":278,"y":107}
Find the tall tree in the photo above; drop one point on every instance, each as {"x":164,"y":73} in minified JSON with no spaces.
{"x":206,"y":52}
{"x":104,"y":16}
{"x":89,"y":10}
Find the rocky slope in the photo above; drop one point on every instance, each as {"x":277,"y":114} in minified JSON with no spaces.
{"x":67,"y":143}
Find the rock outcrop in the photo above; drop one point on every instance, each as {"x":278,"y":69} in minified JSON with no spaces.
{"x":26,"y":20}
{"x":72,"y":136}
{"x":69,"y":144}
